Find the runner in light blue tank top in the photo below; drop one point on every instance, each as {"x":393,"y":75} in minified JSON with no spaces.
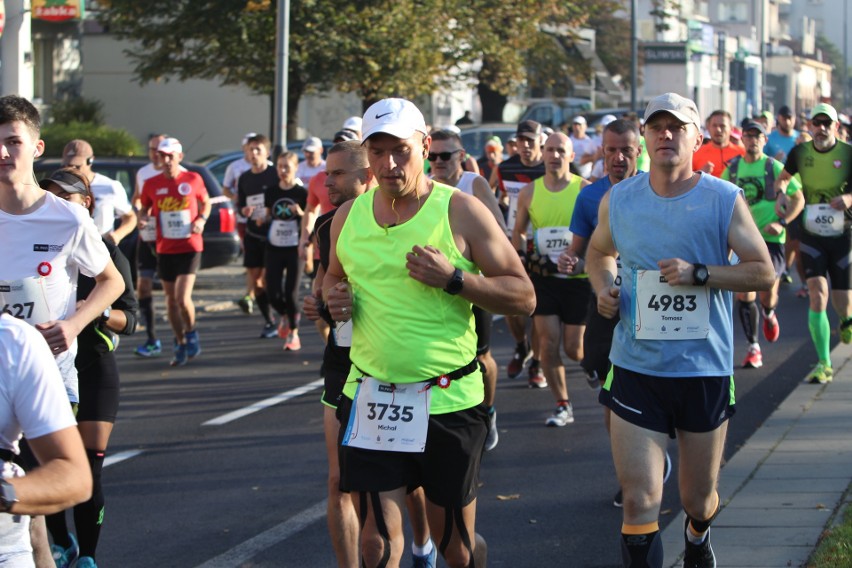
{"x":697,"y":224}
{"x":672,"y":352}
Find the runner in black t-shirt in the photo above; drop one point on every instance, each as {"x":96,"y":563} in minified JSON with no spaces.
{"x":251,"y":190}
{"x":285,"y":204}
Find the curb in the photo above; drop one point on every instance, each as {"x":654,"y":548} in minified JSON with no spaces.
{"x":788,"y":483}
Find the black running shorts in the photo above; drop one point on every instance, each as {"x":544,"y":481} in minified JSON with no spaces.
{"x":447,"y":470}
{"x":254,"y":255}
{"x":828,"y":256}
{"x":776,"y":255}
{"x":567,"y":298}
{"x":146,"y":258}
{"x":668,"y":404}
{"x":99,"y":388}
{"x":482,"y":321}
{"x":173,"y":265}
{"x":597,"y":341}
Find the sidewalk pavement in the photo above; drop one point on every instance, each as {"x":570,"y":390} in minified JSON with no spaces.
{"x":788,"y":483}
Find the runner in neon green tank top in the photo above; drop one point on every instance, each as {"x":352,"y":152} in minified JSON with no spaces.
{"x":402,"y":269}
{"x":755,"y":173}
{"x":825,"y":167}
{"x":561,"y":300}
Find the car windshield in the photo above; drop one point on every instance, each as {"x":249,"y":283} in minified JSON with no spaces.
{"x":124,"y":171}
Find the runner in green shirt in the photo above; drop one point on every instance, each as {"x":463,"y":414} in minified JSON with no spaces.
{"x":825,"y":168}
{"x":755,"y":173}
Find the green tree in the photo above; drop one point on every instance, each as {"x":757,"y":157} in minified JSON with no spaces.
{"x":839,"y":78}
{"x":529,"y":43}
{"x":404,"y":48}
{"x":231,"y":41}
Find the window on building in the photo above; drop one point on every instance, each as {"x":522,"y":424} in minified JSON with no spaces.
{"x":43,"y":69}
{"x":733,"y":11}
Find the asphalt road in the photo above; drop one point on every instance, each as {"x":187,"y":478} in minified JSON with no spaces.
{"x":190,"y":485}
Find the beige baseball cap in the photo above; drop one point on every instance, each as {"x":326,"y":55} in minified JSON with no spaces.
{"x":679,"y":107}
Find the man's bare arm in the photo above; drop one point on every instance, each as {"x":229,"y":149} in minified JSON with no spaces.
{"x":63,"y":480}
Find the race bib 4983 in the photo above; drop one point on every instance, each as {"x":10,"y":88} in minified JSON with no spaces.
{"x":668,"y":312}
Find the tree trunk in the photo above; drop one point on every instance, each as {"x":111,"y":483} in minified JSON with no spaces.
{"x":492,"y":103}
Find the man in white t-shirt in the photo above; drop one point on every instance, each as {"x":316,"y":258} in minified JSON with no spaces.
{"x":53,"y":240}
{"x":585,"y":147}
{"x":32,"y":399}
{"x":229,"y":184}
{"x":146,"y":253}
{"x":111,"y":201}
{"x":313,"y":162}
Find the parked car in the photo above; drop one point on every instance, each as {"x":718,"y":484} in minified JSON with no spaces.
{"x":554,"y":113}
{"x":475,"y":136}
{"x":557,"y":113}
{"x":218,"y":163}
{"x":221,"y":243}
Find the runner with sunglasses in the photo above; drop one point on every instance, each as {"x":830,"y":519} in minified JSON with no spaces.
{"x":447,"y":158}
{"x":824,"y":165}
{"x":513,"y":174}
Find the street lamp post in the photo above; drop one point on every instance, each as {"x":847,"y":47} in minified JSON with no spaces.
{"x":634,"y":53}
{"x":282,"y":65}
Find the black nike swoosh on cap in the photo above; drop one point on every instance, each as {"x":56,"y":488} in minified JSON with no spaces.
{"x":378,"y":116}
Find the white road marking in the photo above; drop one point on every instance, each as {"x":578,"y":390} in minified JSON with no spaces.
{"x":258,"y":406}
{"x":247,"y":550}
{"x":120,"y":457}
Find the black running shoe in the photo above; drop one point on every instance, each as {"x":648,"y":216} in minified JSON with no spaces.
{"x":698,"y":555}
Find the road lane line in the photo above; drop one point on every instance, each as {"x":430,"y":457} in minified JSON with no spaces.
{"x":247,"y":550}
{"x":258,"y":406}
{"x":120,"y":457}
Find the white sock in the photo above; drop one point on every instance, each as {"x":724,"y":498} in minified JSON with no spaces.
{"x":692,"y":537}
{"x":424,"y":550}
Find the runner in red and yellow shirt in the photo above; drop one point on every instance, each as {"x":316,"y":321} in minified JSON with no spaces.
{"x":178,"y":200}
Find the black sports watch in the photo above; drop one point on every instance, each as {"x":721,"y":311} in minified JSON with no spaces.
{"x":700,"y":275}
{"x":456,"y":283}
{"x":782,"y":221}
{"x":105,"y":315}
{"x":7,"y":495}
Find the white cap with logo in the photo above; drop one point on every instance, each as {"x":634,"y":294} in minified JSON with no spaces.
{"x":397,"y":117}
{"x":170,"y":146}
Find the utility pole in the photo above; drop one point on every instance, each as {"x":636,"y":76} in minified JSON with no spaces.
{"x":282,"y":66}
{"x":634,"y":54}
{"x":845,"y":57}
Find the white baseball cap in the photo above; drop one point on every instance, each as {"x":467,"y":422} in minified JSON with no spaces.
{"x":170,"y":146}
{"x":312,"y":144}
{"x":247,"y":136}
{"x":397,"y":117}
{"x":579,"y":119}
{"x":607,"y":118}
{"x":679,"y":107}
{"x":352,"y":123}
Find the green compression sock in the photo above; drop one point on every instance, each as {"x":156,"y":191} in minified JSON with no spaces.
{"x":820,"y":332}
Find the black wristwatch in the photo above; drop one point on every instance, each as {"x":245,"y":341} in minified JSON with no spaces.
{"x":7,"y":495}
{"x":782,"y":221}
{"x":700,"y":275}
{"x":456,"y":283}
{"x":105,"y":315}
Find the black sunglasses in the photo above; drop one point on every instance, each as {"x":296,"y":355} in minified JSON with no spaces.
{"x":826,"y":122}
{"x":445,"y":156}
